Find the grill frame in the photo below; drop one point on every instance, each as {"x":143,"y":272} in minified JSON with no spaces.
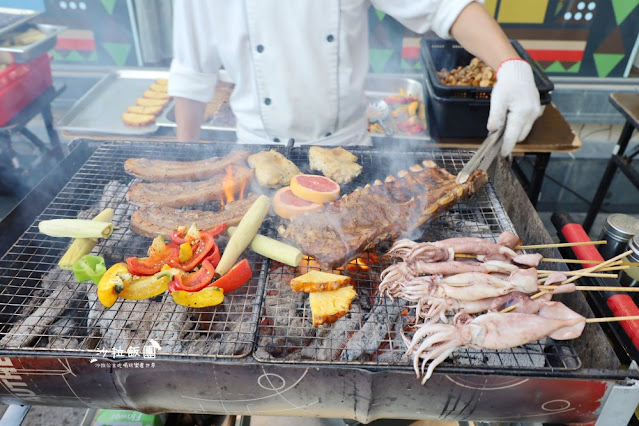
{"x":364,"y":393}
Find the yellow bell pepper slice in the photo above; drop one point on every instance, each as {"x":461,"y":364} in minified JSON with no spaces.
{"x":112,"y":283}
{"x":186,"y":252}
{"x":208,"y":296}
{"x":151,"y":286}
{"x":412,"y":108}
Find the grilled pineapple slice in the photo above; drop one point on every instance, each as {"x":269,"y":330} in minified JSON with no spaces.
{"x":328,"y":306}
{"x":319,"y":281}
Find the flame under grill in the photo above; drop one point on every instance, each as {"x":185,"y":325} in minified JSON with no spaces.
{"x":45,"y":309}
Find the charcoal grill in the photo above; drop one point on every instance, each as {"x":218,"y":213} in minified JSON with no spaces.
{"x":59,"y":347}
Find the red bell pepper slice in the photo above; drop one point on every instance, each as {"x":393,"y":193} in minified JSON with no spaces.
{"x":143,"y":266}
{"x":235,"y":278}
{"x":195,"y":281}
{"x":217,"y":230}
{"x":180,"y":237}
{"x":177,"y":238}
{"x":213,"y":256}
{"x":201,"y":249}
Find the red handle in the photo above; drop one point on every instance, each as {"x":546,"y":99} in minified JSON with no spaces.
{"x":575,"y":233}
{"x":620,"y":304}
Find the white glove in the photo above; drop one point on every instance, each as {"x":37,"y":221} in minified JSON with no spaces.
{"x":514,"y":93}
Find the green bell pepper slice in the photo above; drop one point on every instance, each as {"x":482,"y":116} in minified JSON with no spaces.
{"x":89,"y":268}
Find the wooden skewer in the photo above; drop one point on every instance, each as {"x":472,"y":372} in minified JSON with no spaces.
{"x":595,"y":288}
{"x":613,"y":261}
{"x":601,"y":265}
{"x":612,"y":319}
{"x":552,"y":260}
{"x":606,"y":269}
{"x":533,"y":297}
{"x":585,"y":274}
{"x":557,"y":245}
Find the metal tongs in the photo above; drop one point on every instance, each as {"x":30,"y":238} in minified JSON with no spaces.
{"x":484,"y":156}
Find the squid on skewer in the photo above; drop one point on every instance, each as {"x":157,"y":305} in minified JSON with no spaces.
{"x":445,"y":250}
{"x":403,"y":271}
{"x":488,"y":293}
{"x":434,"y":342}
{"x":442,"y":250}
{"x":468,"y":286}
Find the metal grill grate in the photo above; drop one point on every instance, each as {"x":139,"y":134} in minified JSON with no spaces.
{"x":44,"y":308}
{"x":370,"y":334}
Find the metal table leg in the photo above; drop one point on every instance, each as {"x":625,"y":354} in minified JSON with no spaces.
{"x":6,"y":148}
{"x":608,"y":175}
{"x":53,"y":134}
{"x":619,"y":405}
{"x":537,"y":177}
{"x":533,"y":185}
{"x":34,"y":139}
{"x":15,"y":414}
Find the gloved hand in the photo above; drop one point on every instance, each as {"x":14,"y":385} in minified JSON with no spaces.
{"x":514,"y":93}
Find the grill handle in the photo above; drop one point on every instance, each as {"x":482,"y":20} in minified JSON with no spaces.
{"x":619,"y":304}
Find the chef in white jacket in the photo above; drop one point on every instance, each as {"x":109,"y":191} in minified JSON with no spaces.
{"x":299,"y":65}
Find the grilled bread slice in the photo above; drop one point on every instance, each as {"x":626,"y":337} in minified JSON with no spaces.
{"x":150,"y":94}
{"x":272,"y":169}
{"x":162,"y":88}
{"x":139,"y":109}
{"x":162,"y":81}
{"x":319,"y":281}
{"x":152,"y":102}
{"x":137,"y":120}
{"x":338,"y":163}
{"x":329,"y":306}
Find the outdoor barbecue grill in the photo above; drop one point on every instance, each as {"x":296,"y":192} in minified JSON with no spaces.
{"x":258,"y":352}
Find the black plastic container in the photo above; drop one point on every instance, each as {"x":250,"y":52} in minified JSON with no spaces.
{"x":462,"y":111}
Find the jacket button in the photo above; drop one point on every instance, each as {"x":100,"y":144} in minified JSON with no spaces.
{"x":276,"y":139}
{"x":260,"y":48}
{"x":330,"y":38}
{"x":328,"y":134}
{"x":267,"y":101}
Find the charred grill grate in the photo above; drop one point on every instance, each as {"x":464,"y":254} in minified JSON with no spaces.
{"x":43,"y":308}
{"x":370,"y":334}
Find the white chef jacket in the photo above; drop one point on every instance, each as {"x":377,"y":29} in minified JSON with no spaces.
{"x":298,"y":65}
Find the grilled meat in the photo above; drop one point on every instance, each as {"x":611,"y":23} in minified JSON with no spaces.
{"x":366,"y":217}
{"x":164,"y":171}
{"x":272,"y":169}
{"x":153,"y":221}
{"x":335,"y":163}
{"x":180,"y":194}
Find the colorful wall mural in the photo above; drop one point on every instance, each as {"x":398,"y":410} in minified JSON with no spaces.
{"x":592,"y":38}
{"x":98,"y":31}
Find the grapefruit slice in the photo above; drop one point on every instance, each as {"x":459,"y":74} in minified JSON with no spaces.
{"x":288,"y":205}
{"x":315,"y":188}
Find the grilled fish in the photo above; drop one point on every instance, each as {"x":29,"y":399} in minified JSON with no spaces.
{"x":386,"y":211}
